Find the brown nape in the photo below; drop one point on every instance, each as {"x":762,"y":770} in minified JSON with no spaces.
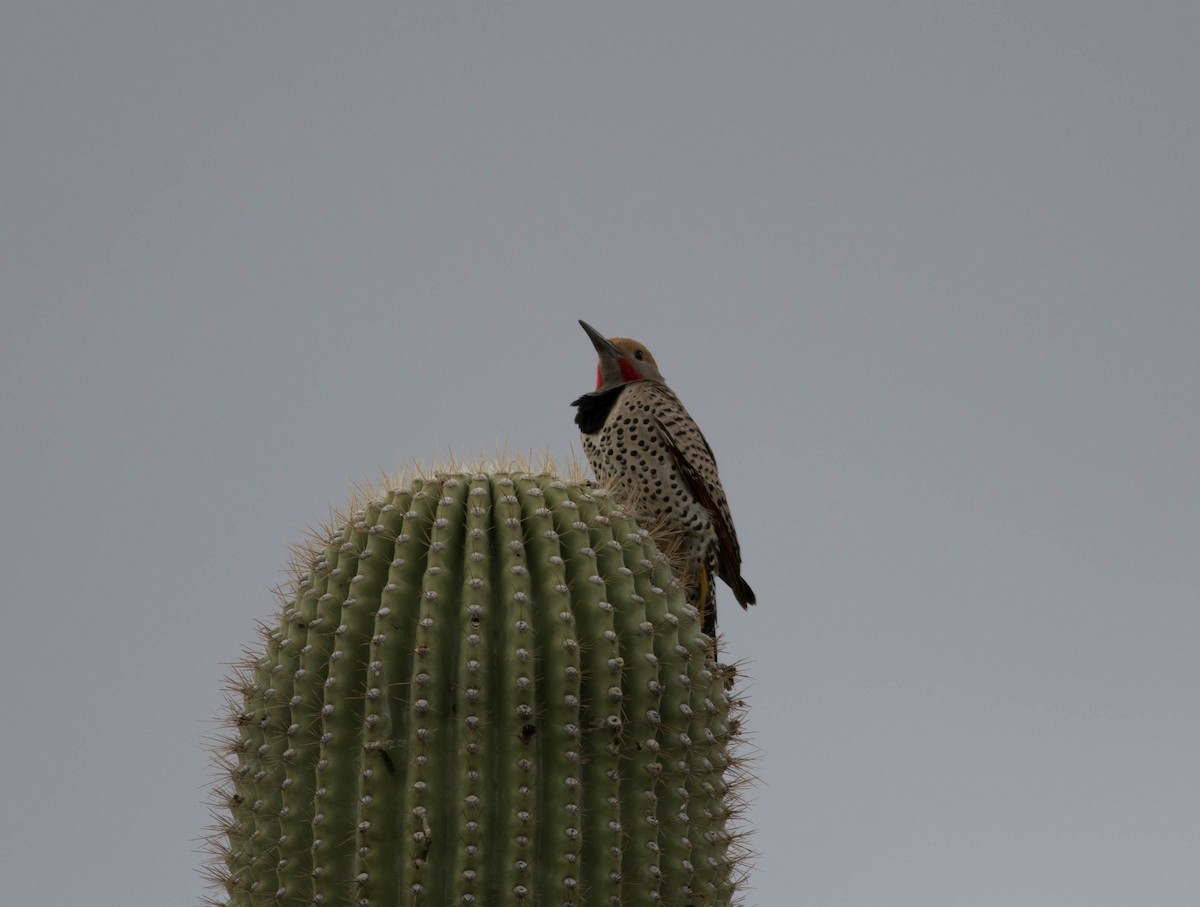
{"x":631,"y":347}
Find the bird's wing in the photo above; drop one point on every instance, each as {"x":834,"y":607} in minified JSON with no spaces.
{"x":729,"y":553}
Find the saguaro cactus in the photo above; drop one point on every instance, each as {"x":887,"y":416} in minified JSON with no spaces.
{"x":488,"y":690}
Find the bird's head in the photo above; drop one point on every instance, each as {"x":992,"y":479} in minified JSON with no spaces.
{"x":621,"y":360}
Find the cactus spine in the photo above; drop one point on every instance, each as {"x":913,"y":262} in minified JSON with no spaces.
{"x":487,"y":690}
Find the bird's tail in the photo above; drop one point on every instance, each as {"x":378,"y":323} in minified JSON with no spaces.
{"x":741,"y":589}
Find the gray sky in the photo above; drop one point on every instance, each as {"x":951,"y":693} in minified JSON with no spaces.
{"x":927,"y":274}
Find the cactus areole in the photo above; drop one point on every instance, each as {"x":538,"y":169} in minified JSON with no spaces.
{"x":487,"y":690}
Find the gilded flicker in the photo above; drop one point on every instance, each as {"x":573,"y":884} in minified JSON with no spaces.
{"x":643,"y":445}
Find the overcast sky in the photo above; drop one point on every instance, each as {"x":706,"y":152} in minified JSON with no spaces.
{"x":927,"y":274}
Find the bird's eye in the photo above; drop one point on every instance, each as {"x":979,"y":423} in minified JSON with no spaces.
{"x":637,"y":354}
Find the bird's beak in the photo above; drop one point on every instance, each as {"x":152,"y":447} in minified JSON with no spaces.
{"x":600,"y":342}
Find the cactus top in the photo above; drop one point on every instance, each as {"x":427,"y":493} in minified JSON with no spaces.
{"x":484,"y":690}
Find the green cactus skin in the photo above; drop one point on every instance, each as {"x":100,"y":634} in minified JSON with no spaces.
{"x":487,"y":690}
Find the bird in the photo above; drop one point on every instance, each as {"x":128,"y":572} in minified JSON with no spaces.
{"x":645,"y":448}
